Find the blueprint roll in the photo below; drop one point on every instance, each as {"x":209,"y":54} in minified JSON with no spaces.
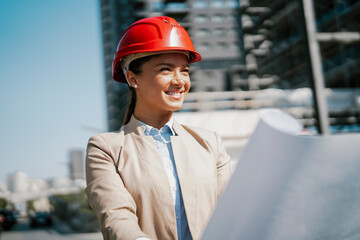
{"x":287,"y":186}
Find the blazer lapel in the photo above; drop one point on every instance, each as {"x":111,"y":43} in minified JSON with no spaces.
{"x":185,"y":156}
{"x":150,"y":157}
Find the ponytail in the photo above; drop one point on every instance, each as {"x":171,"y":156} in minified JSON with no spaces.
{"x":136,"y":67}
{"x":131,"y":107}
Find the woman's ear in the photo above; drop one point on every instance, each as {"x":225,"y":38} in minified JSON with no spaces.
{"x":131,"y":78}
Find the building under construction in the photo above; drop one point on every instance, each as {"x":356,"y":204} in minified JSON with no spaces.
{"x":276,"y":37}
{"x":247,"y":46}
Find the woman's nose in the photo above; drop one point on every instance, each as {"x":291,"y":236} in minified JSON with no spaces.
{"x":178,"y":78}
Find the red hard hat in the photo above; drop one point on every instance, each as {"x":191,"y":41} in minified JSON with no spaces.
{"x":151,"y":35}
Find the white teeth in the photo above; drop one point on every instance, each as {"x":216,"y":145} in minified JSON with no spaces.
{"x":173,"y":93}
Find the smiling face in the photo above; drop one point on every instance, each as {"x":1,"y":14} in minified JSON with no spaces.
{"x":162,"y":84}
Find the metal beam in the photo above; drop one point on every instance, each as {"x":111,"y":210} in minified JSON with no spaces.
{"x":344,"y":37}
{"x":316,"y":68}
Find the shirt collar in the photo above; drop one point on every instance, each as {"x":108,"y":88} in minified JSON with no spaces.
{"x":169,"y":124}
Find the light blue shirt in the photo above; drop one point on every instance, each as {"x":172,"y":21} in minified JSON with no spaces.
{"x":163,"y":144}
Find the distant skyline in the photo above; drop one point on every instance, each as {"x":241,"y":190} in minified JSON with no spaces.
{"x":52,"y":93}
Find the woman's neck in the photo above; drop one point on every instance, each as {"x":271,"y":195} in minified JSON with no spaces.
{"x":156,"y":120}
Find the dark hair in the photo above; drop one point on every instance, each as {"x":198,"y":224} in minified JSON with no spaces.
{"x":136,"y":67}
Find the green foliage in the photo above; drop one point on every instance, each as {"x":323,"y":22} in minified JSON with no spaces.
{"x":30,"y":205}
{"x":3,"y":202}
{"x":75,"y":210}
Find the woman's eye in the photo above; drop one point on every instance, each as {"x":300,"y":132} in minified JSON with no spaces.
{"x":164,"y":69}
{"x":186,"y":70}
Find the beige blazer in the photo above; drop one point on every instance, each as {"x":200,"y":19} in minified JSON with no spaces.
{"x":128,"y":188}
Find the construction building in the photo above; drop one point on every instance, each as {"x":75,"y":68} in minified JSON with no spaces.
{"x":247,"y":46}
{"x":275,"y":35}
{"x":280,"y":29}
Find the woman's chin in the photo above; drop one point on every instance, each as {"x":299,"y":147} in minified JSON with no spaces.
{"x":175,"y":107}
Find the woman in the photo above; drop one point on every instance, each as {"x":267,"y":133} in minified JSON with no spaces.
{"x":155,"y":178}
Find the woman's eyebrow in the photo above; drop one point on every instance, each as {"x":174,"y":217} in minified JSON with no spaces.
{"x":170,"y":65}
{"x":166,"y":64}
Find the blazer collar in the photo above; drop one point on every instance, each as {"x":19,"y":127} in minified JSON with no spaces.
{"x":179,"y":129}
{"x":134,"y":126}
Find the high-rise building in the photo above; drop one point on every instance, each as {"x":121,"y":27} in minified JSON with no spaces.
{"x":246,"y":45}
{"x":281,"y":26}
{"x":77,"y":170}
{"x":18,"y":182}
{"x":3,"y":187}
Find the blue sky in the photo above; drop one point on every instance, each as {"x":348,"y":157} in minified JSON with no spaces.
{"x":51,"y":83}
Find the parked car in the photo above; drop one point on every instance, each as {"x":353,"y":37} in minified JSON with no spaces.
{"x":40,"y":219}
{"x":8,"y":219}
{"x":2,"y":220}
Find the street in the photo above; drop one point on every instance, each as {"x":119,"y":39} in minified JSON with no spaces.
{"x":59,"y":231}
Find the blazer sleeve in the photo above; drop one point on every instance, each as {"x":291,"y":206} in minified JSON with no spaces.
{"x":114,"y":206}
{"x":222,"y":165}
